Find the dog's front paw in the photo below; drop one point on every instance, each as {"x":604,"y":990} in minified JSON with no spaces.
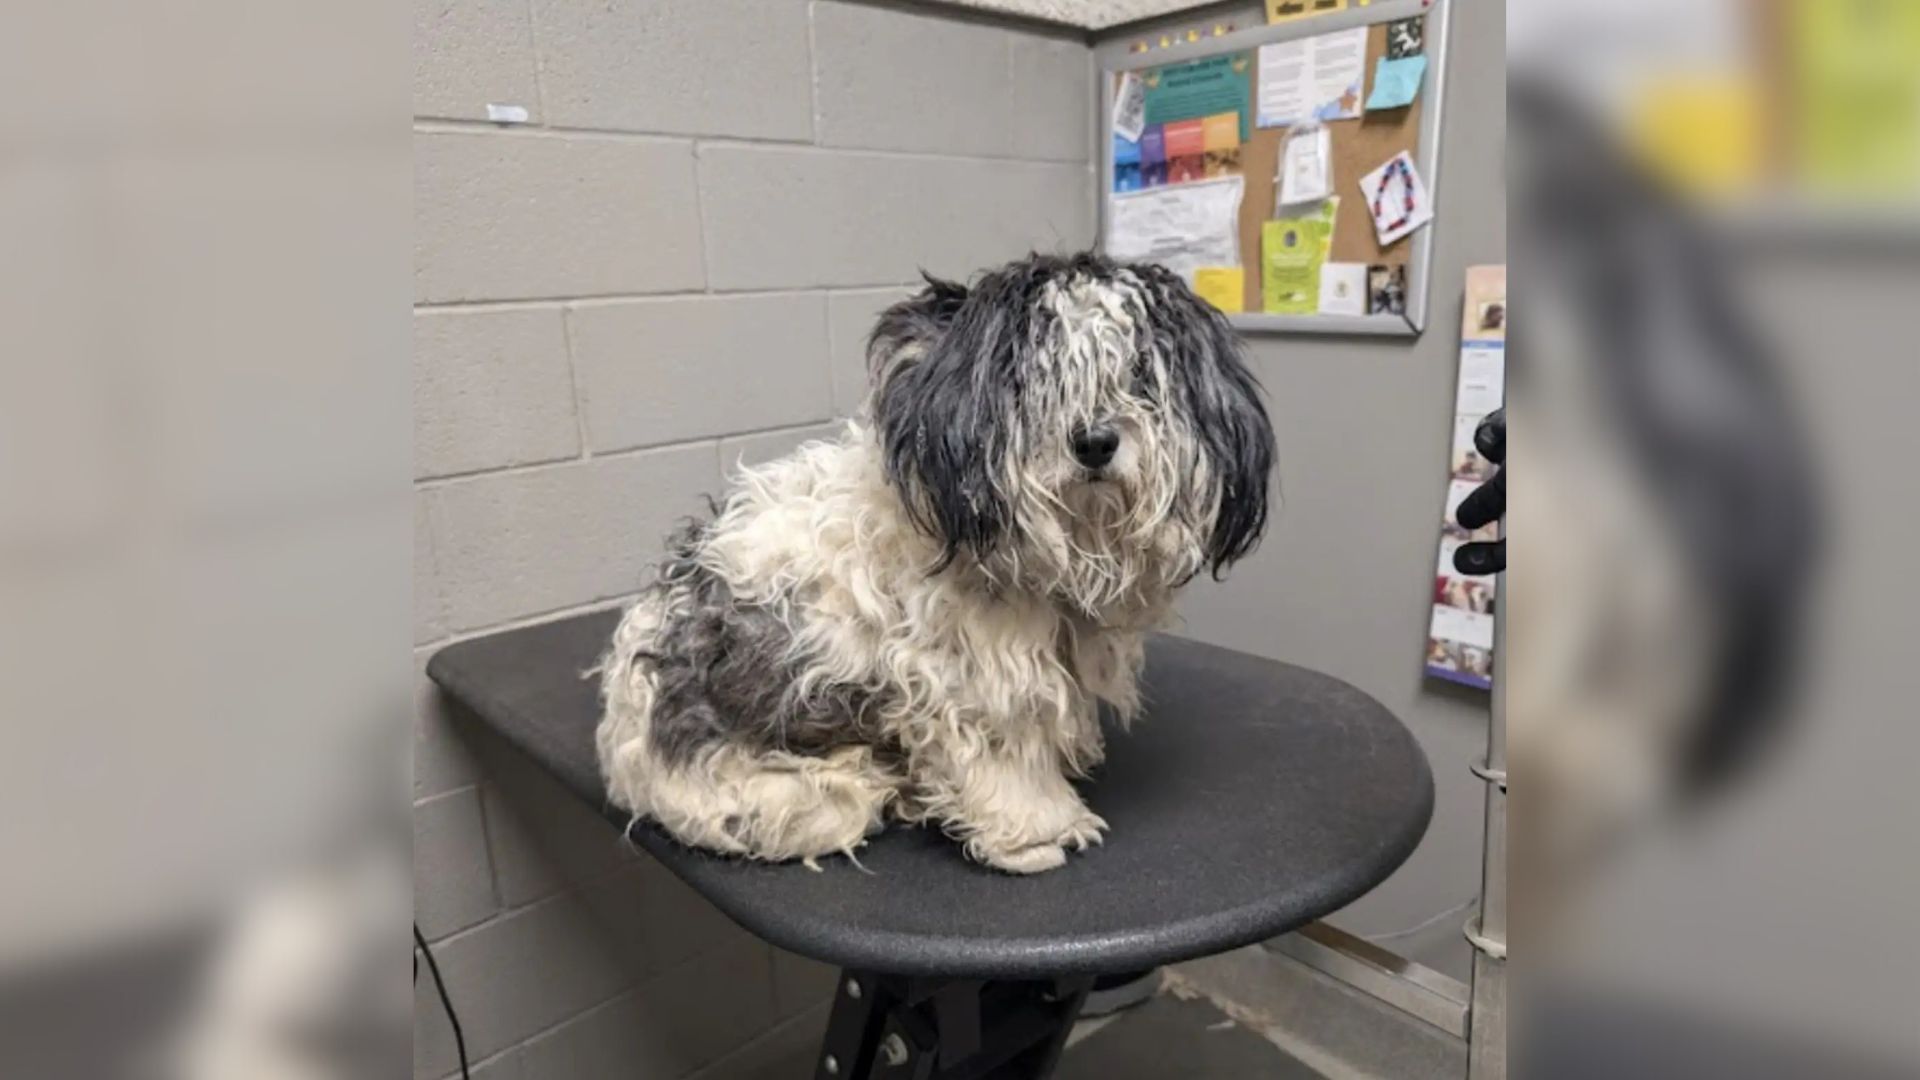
{"x":1031,"y":859}
{"x":1087,"y":830}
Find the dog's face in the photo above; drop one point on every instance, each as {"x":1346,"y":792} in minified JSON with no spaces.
{"x":1079,"y":427}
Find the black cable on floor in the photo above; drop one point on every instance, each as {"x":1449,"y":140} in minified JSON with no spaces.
{"x":459,"y":1039}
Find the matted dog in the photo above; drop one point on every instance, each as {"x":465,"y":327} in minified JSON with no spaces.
{"x":921,"y":619}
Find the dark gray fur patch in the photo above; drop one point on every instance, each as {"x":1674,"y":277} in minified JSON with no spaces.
{"x":723,"y":674}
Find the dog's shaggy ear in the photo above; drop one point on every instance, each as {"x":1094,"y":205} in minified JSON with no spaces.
{"x":1210,"y":377}
{"x":942,"y":412}
{"x":907,"y":330}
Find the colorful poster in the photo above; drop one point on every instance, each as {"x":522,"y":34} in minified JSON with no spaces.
{"x":1183,"y":227}
{"x":1202,"y":148}
{"x":1316,"y":78}
{"x":1292,"y":251}
{"x":1198,"y":88}
{"x":1460,"y":632}
{"x":1191,"y":122}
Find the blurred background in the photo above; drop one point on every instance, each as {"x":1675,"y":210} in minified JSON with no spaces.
{"x":1714,"y":209}
{"x":234,"y":427}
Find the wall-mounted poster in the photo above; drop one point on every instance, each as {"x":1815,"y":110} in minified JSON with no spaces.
{"x":1189,"y":122}
{"x":1316,"y":78}
{"x":1460,"y":634}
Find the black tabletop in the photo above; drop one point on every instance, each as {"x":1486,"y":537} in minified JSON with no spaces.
{"x":1253,"y":797}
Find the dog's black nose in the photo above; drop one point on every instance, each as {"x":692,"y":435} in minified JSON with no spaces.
{"x":1095,"y":445}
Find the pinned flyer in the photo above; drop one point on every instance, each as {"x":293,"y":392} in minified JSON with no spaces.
{"x":1306,"y":166}
{"x":1292,"y":251}
{"x":1396,"y":198}
{"x":1316,"y":78}
{"x":1343,"y":289}
{"x":1130,"y":108}
{"x":1397,"y":82}
{"x":1225,"y":287}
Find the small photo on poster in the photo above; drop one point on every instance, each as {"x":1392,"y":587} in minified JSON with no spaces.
{"x":1464,"y":593}
{"x":1469,"y":465}
{"x":1467,"y":462}
{"x":1186,"y":151}
{"x":1484,"y":317}
{"x":1153,"y":157}
{"x":1386,"y":290}
{"x":1450,"y":528}
{"x":1220,"y":140}
{"x":1406,"y":37}
{"x":1491,"y":319}
{"x":1476,"y":664}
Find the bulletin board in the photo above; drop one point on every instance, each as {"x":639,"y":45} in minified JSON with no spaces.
{"x":1357,"y":148}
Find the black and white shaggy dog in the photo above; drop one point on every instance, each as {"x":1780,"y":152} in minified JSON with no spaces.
{"x":921,"y":619}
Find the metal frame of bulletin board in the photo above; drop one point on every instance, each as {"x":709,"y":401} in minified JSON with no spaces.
{"x":1115,"y":57}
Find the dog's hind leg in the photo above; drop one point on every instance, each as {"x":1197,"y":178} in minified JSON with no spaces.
{"x":774,"y":805}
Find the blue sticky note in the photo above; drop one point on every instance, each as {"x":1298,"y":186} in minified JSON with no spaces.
{"x":1397,"y":82}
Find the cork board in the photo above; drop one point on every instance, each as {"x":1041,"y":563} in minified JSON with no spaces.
{"x":1359,"y":147}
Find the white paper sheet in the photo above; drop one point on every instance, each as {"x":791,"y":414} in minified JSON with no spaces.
{"x":1343,"y":289}
{"x":1404,"y":206}
{"x":1306,"y":168}
{"x":1182,"y":227}
{"x":1130,"y":108}
{"x":1316,"y":78}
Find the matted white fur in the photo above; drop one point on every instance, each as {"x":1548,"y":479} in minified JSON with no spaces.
{"x":990,"y":710}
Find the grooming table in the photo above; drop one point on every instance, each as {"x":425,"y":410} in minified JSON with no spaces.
{"x":1253,"y":797}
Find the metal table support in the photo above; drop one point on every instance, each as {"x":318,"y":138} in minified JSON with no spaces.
{"x":896,"y":1028}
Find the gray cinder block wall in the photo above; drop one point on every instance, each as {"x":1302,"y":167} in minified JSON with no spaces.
{"x":672,"y":266}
